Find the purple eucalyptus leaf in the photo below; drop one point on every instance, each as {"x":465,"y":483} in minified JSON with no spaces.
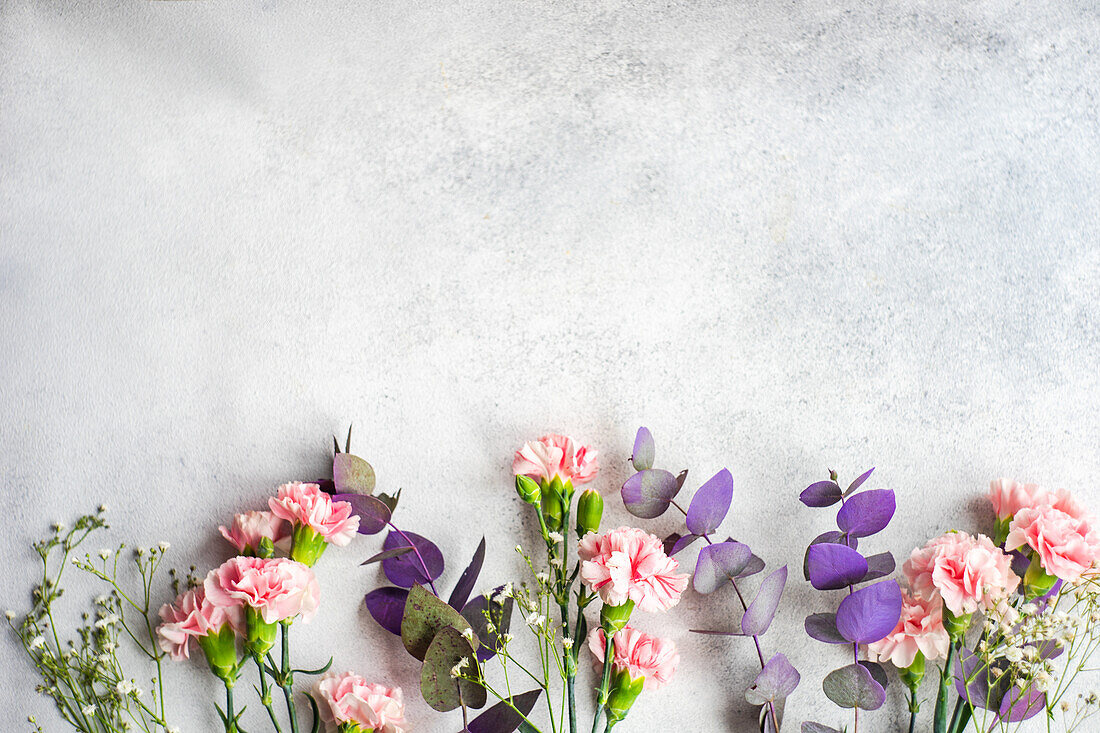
{"x":710,"y":504}
{"x":386,"y":554}
{"x":758,"y":616}
{"x":977,"y":682}
{"x":854,"y":687}
{"x":866,"y":513}
{"x":852,"y":487}
{"x":1048,"y":649}
{"x":833,"y":538}
{"x":465,"y":584}
{"x":834,"y":566}
{"x":352,"y":475}
{"x":680,"y":543}
{"x":648,"y":493}
{"x":644,"y":450}
{"x":387,"y":607}
{"x":879,"y":566}
{"x":752,"y":567}
{"x":822,"y":493}
{"x":718,"y":563}
{"x":504,"y":717}
{"x":681,"y":478}
{"x":811,"y":727}
{"x":501,"y":615}
{"x":878,"y":672}
{"x":776,"y":680}
{"x":870,"y":613}
{"x":1018,"y":706}
{"x":409,"y":569}
{"x":373,"y":514}
{"x":822,"y":626}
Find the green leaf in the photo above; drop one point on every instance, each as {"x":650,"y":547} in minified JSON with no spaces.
{"x":441,"y":691}
{"x":425,"y":616}
{"x":854,"y":687}
{"x":352,"y":475}
{"x":390,"y":501}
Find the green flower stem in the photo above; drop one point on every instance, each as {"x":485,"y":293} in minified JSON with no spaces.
{"x":286,"y":677}
{"x":939,"y":724}
{"x":230,"y":716}
{"x":605,"y":683}
{"x":265,"y":693}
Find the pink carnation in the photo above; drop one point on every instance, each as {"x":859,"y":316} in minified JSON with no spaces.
{"x":279,"y":588}
{"x":306,"y":504}
{"x":193,"y":616}
{"x":639,"y":655}
{"x":348,"y":698}
{"x":556,"y":455}
{"x":1067,"y":545}
{"x":968,"y":573}
{"x":629,"y":564}
{"x":1009,"y":497}
{"x":1064,"y":501}
{"x":920,"y":629}
{"x":248,"y":529}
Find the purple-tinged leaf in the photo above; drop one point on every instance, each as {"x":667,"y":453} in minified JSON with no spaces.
{"x":982,"y":685}
{"x":754,"y":566}
{"x":501,"y":615}
{"x":386,"y":554}
{"x":670,"y":542}
{"x":866,"y":513}
{"x":716,"y":632}
{"x":719,"y":563}
{"x":811,"y":727}
{"x":504,"y":718}
{"x":409,"y":569}
{"x":648,"y":493}
{"x":822,"y":626}
{"x":1018,"y":706}
{"x":1048,"y":649}
{"x":439,"y":689}
{"x":833,"y":538}
{"x":858,"y":482}
{"x":465,"y":584}
{"x":854,"y":687}
{"x":424,"y":616}
{"x":681,"y":543}
{"x":758,"y":616}
{"x":327,"y":485}
{"x":644,"y":450}
{"x":387,"y":607}
{"x":352,"y":475}
{"x":822,"y":493}
{"x":834,"y":566}
{"x":879,"y":566}
{"x":878,"y":672}
{"x":373,"y":514}
{"x":776,"y":680}
{"x":681,"y":478}
{"x":710,"y":504}
{"x":870,"y":613}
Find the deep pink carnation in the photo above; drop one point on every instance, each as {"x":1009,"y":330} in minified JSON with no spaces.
{"x":193,"y":616}
{"x":278,"y":588}
{"x":248,"y":529}
{"x":1008,"y":496}
{"x":348,"y":698}
{"x":639,"y":655}
{"x":629,"y":564}
{"x":556,"y":455}
{"x":920,"y":628}
{"x":1067,"y":545}
{"x":969,"y":573}
{"x":306,"y":504}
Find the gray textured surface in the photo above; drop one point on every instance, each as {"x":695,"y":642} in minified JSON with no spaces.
{"x":786,"y":236}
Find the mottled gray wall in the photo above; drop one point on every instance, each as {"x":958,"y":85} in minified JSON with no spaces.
{"x":786,"y":236}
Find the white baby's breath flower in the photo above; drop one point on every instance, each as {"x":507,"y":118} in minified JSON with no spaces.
{"x":1014,"y":654}
{"x":104,"y":553}
{"x":88,"y":710}
{"x":164,"y":546}
{"x":567,"y":643}
{"x":38,"y":642}
{"x":542,"y":577}
{"x":9,"y":614}
{"x":468,"y":634}
{"x":507,"y":638}
{"x":555,"y":537}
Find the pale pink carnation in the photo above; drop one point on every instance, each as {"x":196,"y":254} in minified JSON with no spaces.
{"x":1064,"y":501}
{"x":192,"y":616}
{"x":248,"y":529}
{"x":1008,"y":496}
{"x":639,"y":655}
{"x":307,"y":505}
{"x":348,"y":698}
{"x":1067,"y":546}
{"x":278,"y":588}
{"x":556,"y":455}
{"x":969,"y":573}
{"x":629,"y":564}
{"x":920,"y":629}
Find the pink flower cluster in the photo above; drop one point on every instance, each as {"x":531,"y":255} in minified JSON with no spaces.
{"x":638,"y":655}
{"x":348,"y":698}
{"x":920,"y":629}
{"x":193,"y":616}
{"x":556,"y":455}
{"x":277,"y":588}
{"x":306,"y":505}
{"x":968,"y":573}
{"x":628,"y":564}
{"x":249,"y":529}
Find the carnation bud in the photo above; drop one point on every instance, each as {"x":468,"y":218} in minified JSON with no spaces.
{"x":911,"y":676}
{"x":261,"y":635}
{"x":553,"y":508}
{"x":624,"y":691}
{"x":220,"y":648}
{"x":1037,"y":581}
{"x":955,"y":626}
{"x":589,"y":512}
{"x":528,"y":489}
{"x":266,"y":548}
{"x":614,"y":618}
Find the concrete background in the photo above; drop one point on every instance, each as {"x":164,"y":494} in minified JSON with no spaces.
{"x":785,"y":236}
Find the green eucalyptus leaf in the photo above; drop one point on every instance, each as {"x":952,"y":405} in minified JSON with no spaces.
{"x":441,"y":691}
{"x":425,"y":616}
{"x":352,"y":475}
